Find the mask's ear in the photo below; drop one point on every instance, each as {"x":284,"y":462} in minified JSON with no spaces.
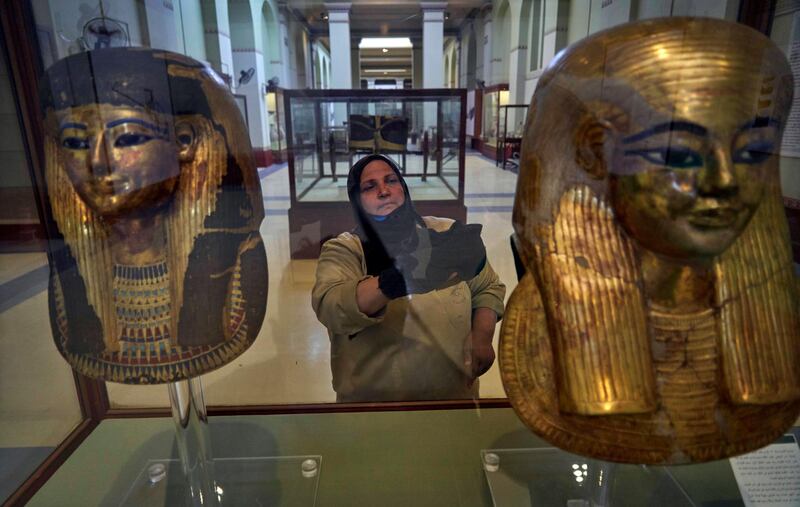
{"x":590,"y":141}
{"x":187,"y":137}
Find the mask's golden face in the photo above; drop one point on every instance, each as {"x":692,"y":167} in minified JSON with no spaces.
{"x":695,"y":139}
{"x":120,"y":160}
{"x":689,"y":186}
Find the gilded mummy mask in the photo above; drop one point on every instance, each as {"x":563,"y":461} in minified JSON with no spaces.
{"x":658,"y":318}
{"x":158,"y":270}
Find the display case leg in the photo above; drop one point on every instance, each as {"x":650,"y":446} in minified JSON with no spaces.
{"x":194,"y":442}
{"x":332,"y":155}
{"x":425,"y":147}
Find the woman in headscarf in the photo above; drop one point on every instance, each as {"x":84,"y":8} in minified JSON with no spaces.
{"x":410,"y":302}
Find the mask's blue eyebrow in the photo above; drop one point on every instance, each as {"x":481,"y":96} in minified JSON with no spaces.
{"x":70,"y":125}
{"x":760,"y":122}
{"x":672,"y":126}
{"x":137,"y":121}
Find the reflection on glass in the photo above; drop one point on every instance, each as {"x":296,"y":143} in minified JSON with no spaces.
{"x":410,"y":302}
{"x":39,"y":405}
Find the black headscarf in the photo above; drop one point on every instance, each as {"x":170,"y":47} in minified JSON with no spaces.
{"x":382,"y":240}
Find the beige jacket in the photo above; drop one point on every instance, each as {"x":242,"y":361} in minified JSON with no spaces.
{"x":413,"y":349}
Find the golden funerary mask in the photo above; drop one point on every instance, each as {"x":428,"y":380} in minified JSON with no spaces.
{"x":158,"y":270}
{"x":658,"y":319}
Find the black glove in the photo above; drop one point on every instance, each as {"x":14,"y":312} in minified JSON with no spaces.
{"x":436,"y":260}
{"x":392,"y":283}
{"x":402,"y":279}
{"x":409,"y":273}
{"x":459,"y":249}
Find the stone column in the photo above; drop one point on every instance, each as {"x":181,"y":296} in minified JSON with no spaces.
{"x":160,"y":24}
{"x":606,"y":15}
{"x":355,"y":63}
{"x":518,"y":54}
{"x":216,"y":29}
{"x":555,"y":29}
{"x":460,"y":82}
{"x":487,"y":47}
{"x":433,"y":44}
{"x":416,"y":62}
{"x":339,"y":32}
{"x":285,"y":78}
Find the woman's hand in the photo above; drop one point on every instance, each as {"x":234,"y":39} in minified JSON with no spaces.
{"x":479,"y":353}
{"x":369,"y":298}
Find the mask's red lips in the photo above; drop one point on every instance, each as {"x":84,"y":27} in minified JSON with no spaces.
{"x":714,"y":218}
{"x":109,"y":185}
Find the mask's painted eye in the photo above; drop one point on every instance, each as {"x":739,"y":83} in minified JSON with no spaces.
{"x":75,"y":143}
{"x":676,"y":158}
{"x":754,"y":153}
{"x":131,"y":139}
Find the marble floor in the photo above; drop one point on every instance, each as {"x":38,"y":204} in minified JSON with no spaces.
{"x":288,"y":363}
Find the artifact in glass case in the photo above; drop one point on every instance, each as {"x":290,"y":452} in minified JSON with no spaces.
{"x":378,"y":133}
{"x":658,"y":319}
{"x":158,"y":270}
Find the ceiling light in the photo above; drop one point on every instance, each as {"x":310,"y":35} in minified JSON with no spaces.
{"x":384,"y":42}
{"x":385,"y":50}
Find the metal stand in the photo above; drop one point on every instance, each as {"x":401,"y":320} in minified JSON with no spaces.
{"x":601,"y":487}
{"x":194,"y":442}
{"x":197,"y":480}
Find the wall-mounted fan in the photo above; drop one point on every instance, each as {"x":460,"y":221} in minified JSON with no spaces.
{"x":246,"y":75}
{"x":105,"y":32}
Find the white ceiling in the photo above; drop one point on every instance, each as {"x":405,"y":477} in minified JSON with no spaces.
{"x":383,"y":17}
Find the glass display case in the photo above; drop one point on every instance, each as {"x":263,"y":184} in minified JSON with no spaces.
{"x":493,"y":97}
{"x":66,"y":439}
{"x":329,"y":130}
{"x":277,"y":123}
{"x":440,"y":457}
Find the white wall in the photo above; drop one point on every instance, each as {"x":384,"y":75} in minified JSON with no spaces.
{"x":62,"y":22}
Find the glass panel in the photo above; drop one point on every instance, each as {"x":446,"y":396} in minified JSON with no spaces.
{"x":290,"y":362}
{"x":286,"y":480}
{"x":786,"y":34}
{"x":36,"y":412}
{"x":306,"y":151}
{"x":490,"y":116}
{"x":549,"y":476}
{"x":451,"y":132}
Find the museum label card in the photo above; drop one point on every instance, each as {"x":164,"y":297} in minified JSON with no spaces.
{"x":770,"y":477}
